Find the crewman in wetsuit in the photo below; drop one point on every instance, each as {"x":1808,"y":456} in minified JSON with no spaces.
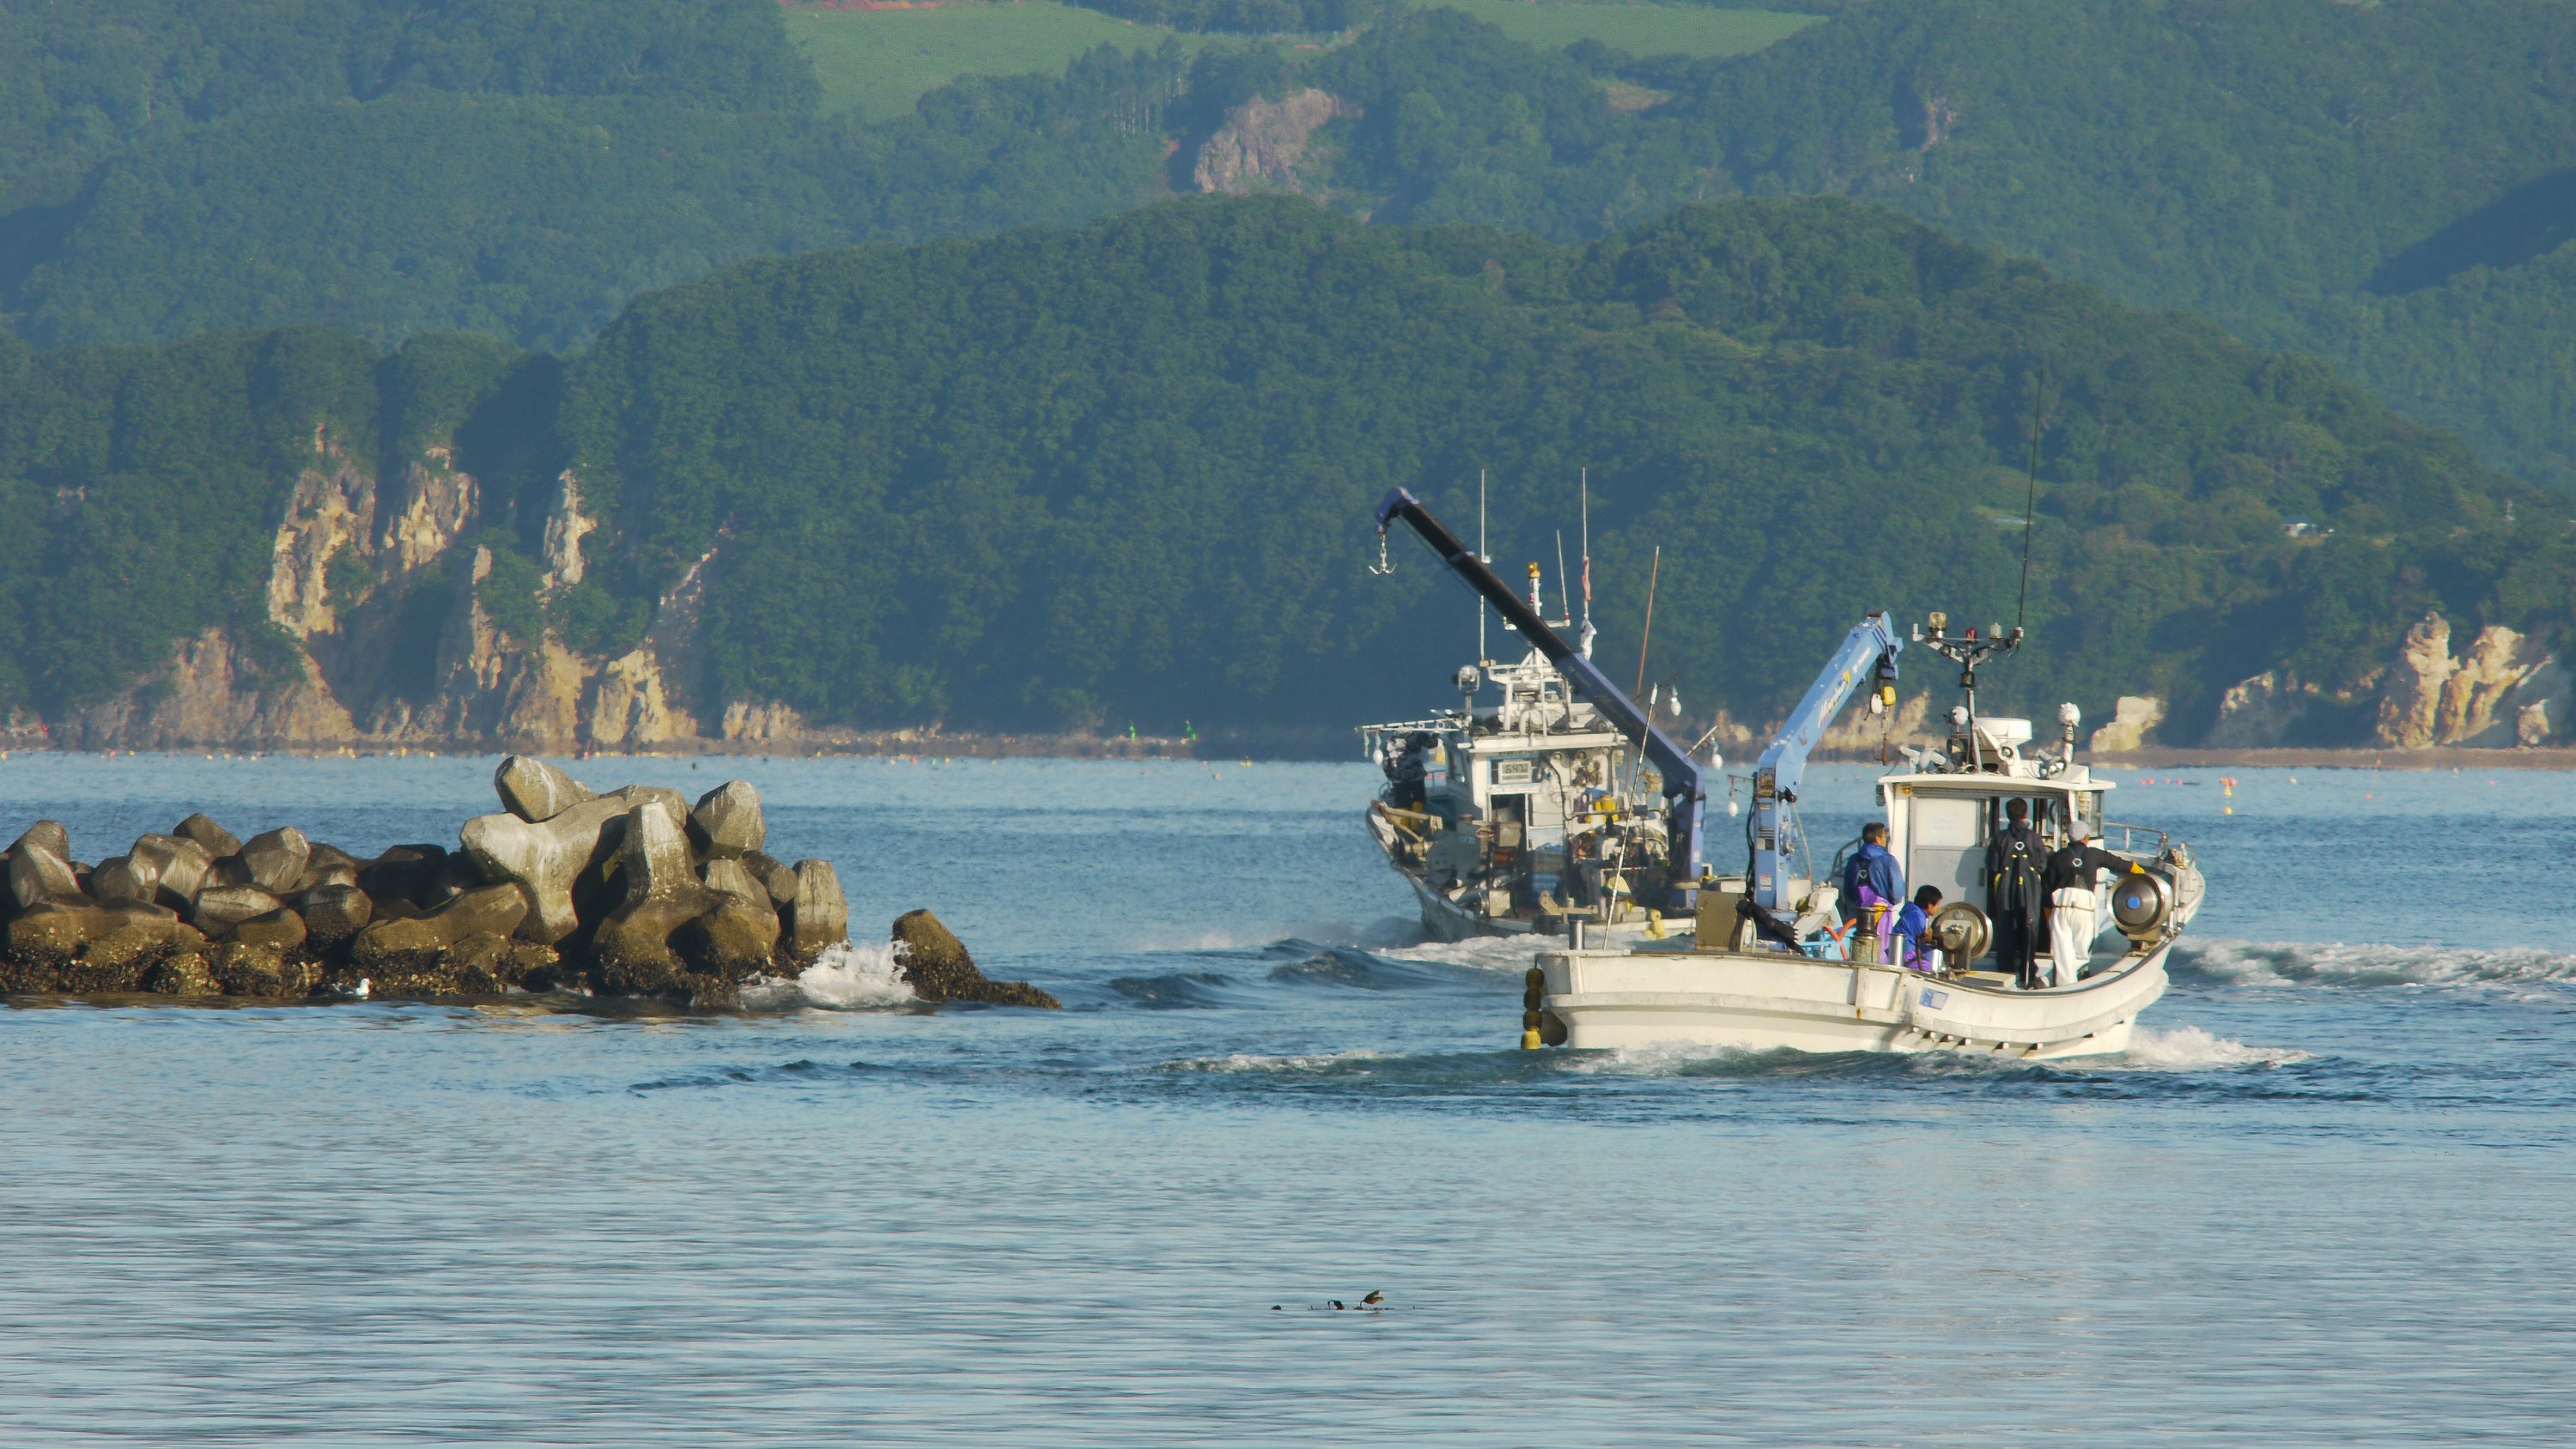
{"x":2015,"y":861}
{"x":1410,"y":767}
{"x":2069,"y":880}
{"x":1874,"y":886}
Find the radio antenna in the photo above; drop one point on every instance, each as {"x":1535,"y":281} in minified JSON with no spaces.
{"x":2030,"y":506}
{"x":1481,"y":557}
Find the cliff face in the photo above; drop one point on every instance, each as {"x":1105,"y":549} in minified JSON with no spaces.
{"x":383,"y":640}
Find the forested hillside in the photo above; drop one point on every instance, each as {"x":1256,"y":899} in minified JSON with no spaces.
{"x":519,"y":167}
{"x":1123,"y":473}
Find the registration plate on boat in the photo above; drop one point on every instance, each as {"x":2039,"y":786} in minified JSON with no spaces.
{"x":1935,"y":999}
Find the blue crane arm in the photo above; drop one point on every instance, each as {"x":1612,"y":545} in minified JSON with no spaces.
{"x":1684,"y":786}
{"x":1783,"y":766}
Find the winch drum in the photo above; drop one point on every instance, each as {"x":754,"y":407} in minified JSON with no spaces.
{"x":1961,"y":931}
{"x":2141,"y":903}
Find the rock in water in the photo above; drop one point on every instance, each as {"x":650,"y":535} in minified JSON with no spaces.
{"x":217,"y":840}
{"x":220,"y":908}
{"x":243,"y":969}
{"x":536,"y":791}
{"x":181,"y":973}
{"x":280,"y":930}
{"x":545,"y":859}
{"x":275,"y":860}
{"x":125,"y":878}
{"x":180,"y":865}
{"x":333,"y":914}
{"x":663,"y":894}
{"x":936,"y":964}
{"x":780,"y":880}
{"x":38,"y":874}
{"x":820,"y":915}
{"x":738,"y":936}
{"x":727,"y":821}
{"x":494,"y":910}
{"x":48,"y":835}
{"x":405,"y":873}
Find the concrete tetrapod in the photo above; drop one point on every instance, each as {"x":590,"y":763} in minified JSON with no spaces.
{"x":727,"y":821}
{"x":739,"y":934}
{"x":126,"y":878}
{"x":50,"y":835}
{"x":179,"y":864}
{"x":218,"y":841}
{"x":220,"y":908}
{"x":493,"y":910}
{"x":545,"y":859}
{"x":274,"y":860}
{"x":536,"y":791}
{"x":820,"y":917}
{"x":333,"y":914}
{"x":663,"y":893}
{"x":37,"y":875}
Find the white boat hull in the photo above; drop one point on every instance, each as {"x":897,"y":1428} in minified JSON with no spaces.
{"x":1762,"y":1001}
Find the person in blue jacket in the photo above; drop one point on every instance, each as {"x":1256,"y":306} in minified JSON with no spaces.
{"x":1912,"y":922}
{"x":1873,"y":884}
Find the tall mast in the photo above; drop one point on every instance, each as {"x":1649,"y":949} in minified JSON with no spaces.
{"x":1583,"y":639}
{"x":1482,"y":557}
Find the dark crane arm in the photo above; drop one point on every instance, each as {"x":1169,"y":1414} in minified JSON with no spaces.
{"x":1685,"y":790}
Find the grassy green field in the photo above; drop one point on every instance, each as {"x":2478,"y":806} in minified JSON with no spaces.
{"x":878,"y":62}
{"x":1637,"y":28}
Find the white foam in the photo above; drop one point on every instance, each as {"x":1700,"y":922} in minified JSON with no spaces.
{"x":2282,"y":963}
{"x":2190,"y":1049}
{"x":1514,"y":954}
{"x":1265,"y":1062}
{"x":847,"y":977}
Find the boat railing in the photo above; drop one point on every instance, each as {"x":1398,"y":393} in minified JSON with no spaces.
{"x":2130,"y":835}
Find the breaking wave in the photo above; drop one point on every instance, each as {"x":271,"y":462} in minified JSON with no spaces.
{"x":848,"y":977}
{"x":2277,"y":963}
{"x":1267,"y":1062}
{"x":2190,"y":1049}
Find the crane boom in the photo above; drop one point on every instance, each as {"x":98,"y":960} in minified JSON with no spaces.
{"x":1685,"y":791}
{"x":1783,"y":766}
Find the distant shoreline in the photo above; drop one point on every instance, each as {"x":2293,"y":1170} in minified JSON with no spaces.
{"x":1284,"y":746}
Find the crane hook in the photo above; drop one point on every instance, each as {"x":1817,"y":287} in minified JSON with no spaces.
{"x":1383,"y":566}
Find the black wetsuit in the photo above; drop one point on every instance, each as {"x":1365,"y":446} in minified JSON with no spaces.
{"x":2015,"y":900}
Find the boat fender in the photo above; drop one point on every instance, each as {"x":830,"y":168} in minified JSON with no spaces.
{"x":1533,"y":991}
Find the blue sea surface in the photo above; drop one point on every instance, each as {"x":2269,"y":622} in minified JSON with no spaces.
{"x":2325,"y":1198}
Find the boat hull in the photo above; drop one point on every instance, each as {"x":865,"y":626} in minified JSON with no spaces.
{"x":1768,"y":1001}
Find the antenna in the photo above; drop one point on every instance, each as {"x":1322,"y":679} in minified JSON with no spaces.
{"x":1483,"y":558}
{"x":1583,"y":640}
{"x":2030,"y":508}
{"x":1565,"y":601}
{"x":1654,"y":572}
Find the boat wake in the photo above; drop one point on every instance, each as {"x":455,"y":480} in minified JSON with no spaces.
{"x":2283,"y":963}
{"x":848,"y":977}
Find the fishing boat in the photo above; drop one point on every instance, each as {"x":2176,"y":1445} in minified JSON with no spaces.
{"x":1768,"y":955}
{"x":1540,"y":800}
{"x":1770,"y":962}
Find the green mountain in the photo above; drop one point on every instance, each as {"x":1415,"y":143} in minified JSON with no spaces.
{"x":1078,"y":478}
{"x":2386,"y":186}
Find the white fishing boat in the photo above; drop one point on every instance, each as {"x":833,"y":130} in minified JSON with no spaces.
{"x":1768,"y":964}
{"x":1557,"y":801}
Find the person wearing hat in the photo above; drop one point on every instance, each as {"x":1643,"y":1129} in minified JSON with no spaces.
{"x":2070,"y":880}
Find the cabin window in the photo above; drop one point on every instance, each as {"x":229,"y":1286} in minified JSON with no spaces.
{"x":1946,"y":846}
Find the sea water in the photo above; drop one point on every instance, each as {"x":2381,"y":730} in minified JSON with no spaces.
{"x":2324,"y":1197}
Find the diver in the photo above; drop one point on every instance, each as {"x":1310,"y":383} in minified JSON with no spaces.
{"x":2015,"y":866}
{"x":2069,"y":881}
{"x":1873,"y":882}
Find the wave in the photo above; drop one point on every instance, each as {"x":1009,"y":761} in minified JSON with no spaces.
{"x":2190,"y":1049}
{"x":2181,"y":1049}
{"x":2287,"y":963}
{"x":847,"y":977}
{"x":1356,"y":1057}
{"x":1349,"y":966}
{"x":1179,"y":989}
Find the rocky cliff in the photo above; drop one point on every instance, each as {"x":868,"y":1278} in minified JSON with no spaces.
{"x":384,"y":635}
